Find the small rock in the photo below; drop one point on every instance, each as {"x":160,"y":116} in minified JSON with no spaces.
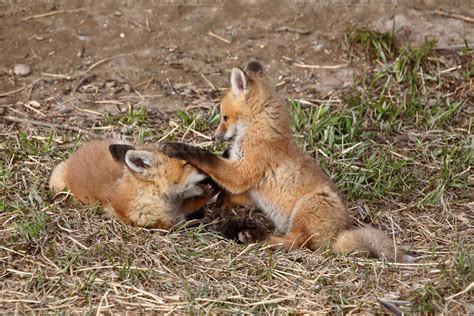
{"x":118,"y":13}
{"x":35,"y":104}
{"x":127,"y":88}
{"x":21,"y":70}
{"x":110,"y":84}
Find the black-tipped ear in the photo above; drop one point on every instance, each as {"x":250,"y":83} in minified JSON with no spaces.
{"x":254,"y":67}
{"x":118,"y":151}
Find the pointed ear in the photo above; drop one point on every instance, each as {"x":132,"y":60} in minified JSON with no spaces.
{"x":139,"y":160}
{"x":118,"y":151}
{"x":254,"y":67}
{"x":238,"y":81}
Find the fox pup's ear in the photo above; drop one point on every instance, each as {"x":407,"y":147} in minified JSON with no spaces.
{"x":254,"y":67}
{"x":139,"y":160}
{"x":118,"y":151}
{"x":238,"y":81}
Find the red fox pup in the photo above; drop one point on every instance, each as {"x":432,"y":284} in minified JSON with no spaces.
{"x":140,"y":187}
{"x":267,"y":170}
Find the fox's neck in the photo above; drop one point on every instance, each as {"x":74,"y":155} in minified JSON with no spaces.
{"x":274,"y":121}
{"x":271,"y":124}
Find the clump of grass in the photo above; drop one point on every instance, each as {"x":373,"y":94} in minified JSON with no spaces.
{"x":380,"y":45}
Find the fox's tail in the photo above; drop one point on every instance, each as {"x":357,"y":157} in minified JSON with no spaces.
{"x":369,"y":241}
{"x":57,"y":182}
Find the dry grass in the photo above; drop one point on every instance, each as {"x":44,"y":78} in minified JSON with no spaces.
{"x":399,"y":146}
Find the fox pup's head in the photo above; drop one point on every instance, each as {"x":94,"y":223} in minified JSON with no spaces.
{"x":245,"y":99}
{"x":171,"y":176}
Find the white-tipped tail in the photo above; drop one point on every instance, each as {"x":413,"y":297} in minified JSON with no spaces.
{"x":57,"y":182}
{"x":369,"y":241}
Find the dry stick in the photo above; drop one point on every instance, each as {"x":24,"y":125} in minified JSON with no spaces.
{"x":212,"y":34}
{"x":106,"y":60}
{"x":467,"y":289}
{"x":137,"y":24}
{"x":464,"y":18}
{"x":19,"y":89}
{"x":81,"y":81}
{"x":319,"y":66}
{"x":51,"y":125}
{"x":12,"y":92}
{"x":43,"y":15}
{"x":208,"y":82}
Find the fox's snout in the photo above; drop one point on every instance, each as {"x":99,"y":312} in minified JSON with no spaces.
{"x":218,"y":138}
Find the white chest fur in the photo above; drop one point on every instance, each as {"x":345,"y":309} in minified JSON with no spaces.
{"x":236,"y":147}
{"x":282,"y":222}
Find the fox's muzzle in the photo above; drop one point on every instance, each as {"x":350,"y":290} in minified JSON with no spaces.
{"x":218,"y":138}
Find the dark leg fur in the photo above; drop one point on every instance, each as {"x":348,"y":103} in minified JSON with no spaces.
{"x":189,"y":153}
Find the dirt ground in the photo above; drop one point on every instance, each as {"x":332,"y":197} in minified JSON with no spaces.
{"x":91,"y":59}
{"x":166,"y":49}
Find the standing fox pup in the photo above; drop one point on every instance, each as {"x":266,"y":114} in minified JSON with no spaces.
{"x":140,"y":187}
{"x":267,"y":170}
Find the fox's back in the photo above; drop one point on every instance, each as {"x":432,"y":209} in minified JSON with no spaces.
{"x":92,"y":171}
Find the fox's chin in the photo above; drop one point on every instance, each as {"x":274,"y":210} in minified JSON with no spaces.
{"x":220,"y":140}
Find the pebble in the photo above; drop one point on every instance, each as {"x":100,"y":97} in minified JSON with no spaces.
{"x":21,"y":70}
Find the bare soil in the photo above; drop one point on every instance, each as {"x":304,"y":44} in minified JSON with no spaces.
{"x":163,"y":50}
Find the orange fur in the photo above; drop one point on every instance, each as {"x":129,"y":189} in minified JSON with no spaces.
{"x":265,"y":168}
{"x":160,"y":196}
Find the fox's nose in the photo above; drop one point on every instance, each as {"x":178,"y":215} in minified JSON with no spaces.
{"x":217,"y":138}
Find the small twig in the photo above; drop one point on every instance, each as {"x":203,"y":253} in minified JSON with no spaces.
{"x":43,"y":15}
{"x":145,"y":83}
{"x":19,"y":89}
{"x":454,"y":47}
{"x":82,"y":81}
{"x":51,"y":125}
{"x":208,"y":82}
{"x":137,"y":24}
{"x":319,"y":66}
{"x":212,"y":34}
{"x":57,"y":76}
{"x":12,"y":92}
{"x":94,"y":65}
{"x":88,"y":111}
{"x":467,"y":289}
{"x":171,"y":86}
{"x":452,"y":15}
{"x":26,"y":105}
{"x":293,"y":30}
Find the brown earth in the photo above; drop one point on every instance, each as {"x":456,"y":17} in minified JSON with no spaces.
{"x":163,"y":54}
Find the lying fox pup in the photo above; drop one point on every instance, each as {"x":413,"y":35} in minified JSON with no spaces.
{"x":140,"y":187}
{"x":267,"y":170}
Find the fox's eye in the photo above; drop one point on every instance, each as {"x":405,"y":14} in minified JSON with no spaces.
{"x":225,"y":118}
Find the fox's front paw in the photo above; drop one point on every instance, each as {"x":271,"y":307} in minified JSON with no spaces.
{"x":251,"y":236}
{"x":186,"y":152}
{"x":176,"y":150}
